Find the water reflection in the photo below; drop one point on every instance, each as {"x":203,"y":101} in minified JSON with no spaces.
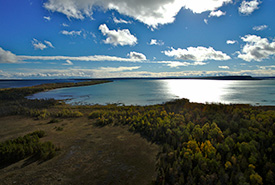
{"x":200,"y":91}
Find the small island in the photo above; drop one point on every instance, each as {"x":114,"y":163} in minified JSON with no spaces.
{"x":176,"y":142}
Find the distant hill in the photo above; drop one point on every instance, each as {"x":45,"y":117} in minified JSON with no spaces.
{"x":231,"y":78}
{"x":205,"y":77}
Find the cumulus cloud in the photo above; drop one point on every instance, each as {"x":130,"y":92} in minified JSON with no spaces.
{"x":197,"y":54}
{"x":71,"y":33}
{"x":136,"y":56}
{"x":199,"y":6}
{"x":7,"y":56}
{"x":247,"y":7}
{"x":217,"y":13}
{"x":260,"y":28}
{"x":150,"y":12}
{"x":156,"y":42}
{"x":119,"y":37}
{"x":121,"y":21}
{"x":223,"y":67}
{"x":231,"y":42}
{"x":256,"y":48}
{"x":68,"y":63}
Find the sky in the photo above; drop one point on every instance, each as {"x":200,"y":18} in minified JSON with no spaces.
{"x":136,"y":38}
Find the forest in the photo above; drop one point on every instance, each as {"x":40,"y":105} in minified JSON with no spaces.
{"x":200,"y":143}
{"x":203,"y":143}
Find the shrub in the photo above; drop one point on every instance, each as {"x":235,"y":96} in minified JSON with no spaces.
{"x":96,"y":114}
{"x":67,"y":113}
{"x":39,"y":114}
{"x":22,"y":147}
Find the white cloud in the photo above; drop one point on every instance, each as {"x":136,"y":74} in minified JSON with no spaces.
{"x":176,"y":64}
{"x":115,"y":69}
{"x":72,"y":72}
{"x":260,"y":28}
{"x":205,"y":21}
{"x":247,"y":7}
{"x":267,"y":67}
{"x":93,"y":35}
{"x":47,"y":18}
{"x":156,"y":42}
{"x":48,"y":43}
{"x":111,"y":72}
{"x":7,"y":56}
{"x":256,"y":48}
{"x":223,"y":67}
{"x":231,"y":42}
{"x":199,"y":6}
{"x":81,"y":58}
{"x":136,"y":56}
{"x":197,"y":54}
{"x":150,"y":12}
{"x":38,"y":45}
{"x":119,"y":37}
{"x":217,"y":13}
{"x":71,"y":33}
{"x":121,"y":21}
{"x":65,"y":25}
{"x":68,"y":63}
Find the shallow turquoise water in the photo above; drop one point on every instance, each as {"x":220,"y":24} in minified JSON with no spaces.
{"x":149,"y":92}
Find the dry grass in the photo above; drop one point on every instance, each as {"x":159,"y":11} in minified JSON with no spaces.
{"x":89,"y":154}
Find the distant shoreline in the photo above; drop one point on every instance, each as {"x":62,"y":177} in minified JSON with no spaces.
{"x":157,"y":78}
{"x":22,"y":92}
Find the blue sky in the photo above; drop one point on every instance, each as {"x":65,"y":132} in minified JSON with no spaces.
{"x":136,"y":38}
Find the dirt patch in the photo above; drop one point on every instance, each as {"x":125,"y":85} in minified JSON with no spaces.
{"x":89,"y":154}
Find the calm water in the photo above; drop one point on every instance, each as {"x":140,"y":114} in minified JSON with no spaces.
{"x":148,"y":92}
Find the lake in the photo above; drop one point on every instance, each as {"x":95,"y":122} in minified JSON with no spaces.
{"x":157,"y":91}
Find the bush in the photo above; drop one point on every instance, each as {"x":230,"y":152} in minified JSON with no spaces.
{"x":67,"y":113}
{"x":96,"y":114}
{"x":20,"y":148}
{"x":39,"y":114}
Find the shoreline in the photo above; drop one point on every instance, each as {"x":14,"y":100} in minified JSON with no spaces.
{"x":22,"y":92}
{"x":233,"y":77}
